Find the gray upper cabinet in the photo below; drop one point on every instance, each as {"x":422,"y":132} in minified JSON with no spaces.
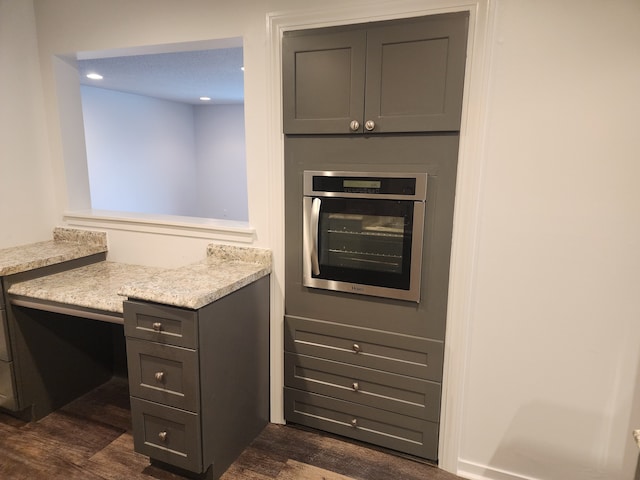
{"x":383,"y":77}
{"x":323,"y":80}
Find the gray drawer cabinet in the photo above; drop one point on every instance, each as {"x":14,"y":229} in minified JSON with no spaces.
{"x":199,"y":379}
{"x":164,"y":373}
{"x":7,"y":380}
{"x":40,"y":346}
{"x":380,"y":387}
{"x":5,"y":351}
{"x":391,"y":352}
{"x":161,"y":324}
{"x":379,"y":427}
{"x":382,"y":77}
{"x":167,"y":434}
{"x":396,"y":393}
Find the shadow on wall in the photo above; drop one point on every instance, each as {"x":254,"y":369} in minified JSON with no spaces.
{"x":551,"y":441}
{"x":633,"y":421}
{"x":547,"y":441}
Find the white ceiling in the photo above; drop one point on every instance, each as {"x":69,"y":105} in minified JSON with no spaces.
{"x":178,"y":76}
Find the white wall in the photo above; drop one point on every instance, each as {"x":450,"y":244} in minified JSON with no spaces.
{"x":551,"y":367}
{"x":27,"y":203}
{"x":141,"y":152}
{"x":221,"y":165}
{"x":155,"y":156}
{"x":65,"y":27}
{"x":552,"y":390}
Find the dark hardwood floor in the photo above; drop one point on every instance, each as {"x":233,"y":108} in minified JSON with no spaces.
{"x":90,"y":439}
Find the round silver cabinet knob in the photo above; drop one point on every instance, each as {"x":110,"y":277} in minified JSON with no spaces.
{"x":157,"y":326}
{"x":370,"y":125}
{"x":356,"y":348}
{"x":354,"y":125}
{"x":355,"y":386}
{"x":159,"y":376}
{"x":162,"y":436}
{"x":354,"y":422}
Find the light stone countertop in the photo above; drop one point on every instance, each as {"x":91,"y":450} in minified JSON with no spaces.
{"x":105,"y":285}
{"x":224,"y":270}
{"x":93,"y":286}
{"x":67,"y":244}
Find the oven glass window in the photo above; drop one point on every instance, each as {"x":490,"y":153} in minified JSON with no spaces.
{"x":365,"y":241}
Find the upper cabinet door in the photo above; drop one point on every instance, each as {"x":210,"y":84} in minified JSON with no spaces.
{"x":393,"y":76}
{"x":323,"y":81}
{"x":415,"y":74}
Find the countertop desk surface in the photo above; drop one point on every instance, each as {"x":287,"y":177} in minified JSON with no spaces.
{"x":104,"y":285}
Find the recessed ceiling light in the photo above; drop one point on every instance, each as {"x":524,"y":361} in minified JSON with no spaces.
{"x":205,"y":99}
{"x":94,"y":76}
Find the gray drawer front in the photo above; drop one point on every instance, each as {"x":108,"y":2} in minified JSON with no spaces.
{"x":160,"y":323}
{"x":390,"y":352}
{"x":181,"y":446}
{"x":387,"y":391}
{"x":7,"y":389}
{"x":163,"y":374}
{"x":5,"y":351}
{"x":378,"y":427}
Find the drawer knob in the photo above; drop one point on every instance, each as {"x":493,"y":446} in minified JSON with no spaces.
{"x":355,"y":386}
{"x":354,"y":422}
{"x":356,"y":348}
{"x":354,"y":125}
{"x":163,"y":436}
{"x":157,"y":326}
{"x":159,"y":376}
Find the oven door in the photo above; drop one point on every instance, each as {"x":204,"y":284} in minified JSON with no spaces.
{"x":365,"y":246}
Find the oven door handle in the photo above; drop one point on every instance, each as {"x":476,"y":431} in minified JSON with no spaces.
{"x":313,"y":235}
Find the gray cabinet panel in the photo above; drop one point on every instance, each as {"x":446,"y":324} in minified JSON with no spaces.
{"x":7,"y":389}
{"x":164,"y":374}
{"x":379,"y":427}
{"x":415,"y":74}
{"x":161,"y":324}
{"x":57,"y":357}
{"x":323,"y":80}
{"x":167,"y":434}
{"x":5,"y":350}
{"x":390,"y":352}
{"x":386,"y":391}
{"x":432,"y":154}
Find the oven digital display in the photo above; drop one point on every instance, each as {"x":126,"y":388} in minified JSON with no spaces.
{"x":361,"y":183}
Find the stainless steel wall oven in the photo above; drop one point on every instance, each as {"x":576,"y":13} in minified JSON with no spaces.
{"x":363,"y":232}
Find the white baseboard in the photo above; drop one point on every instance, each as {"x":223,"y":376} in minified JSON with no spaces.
{"x":476,"y":471}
